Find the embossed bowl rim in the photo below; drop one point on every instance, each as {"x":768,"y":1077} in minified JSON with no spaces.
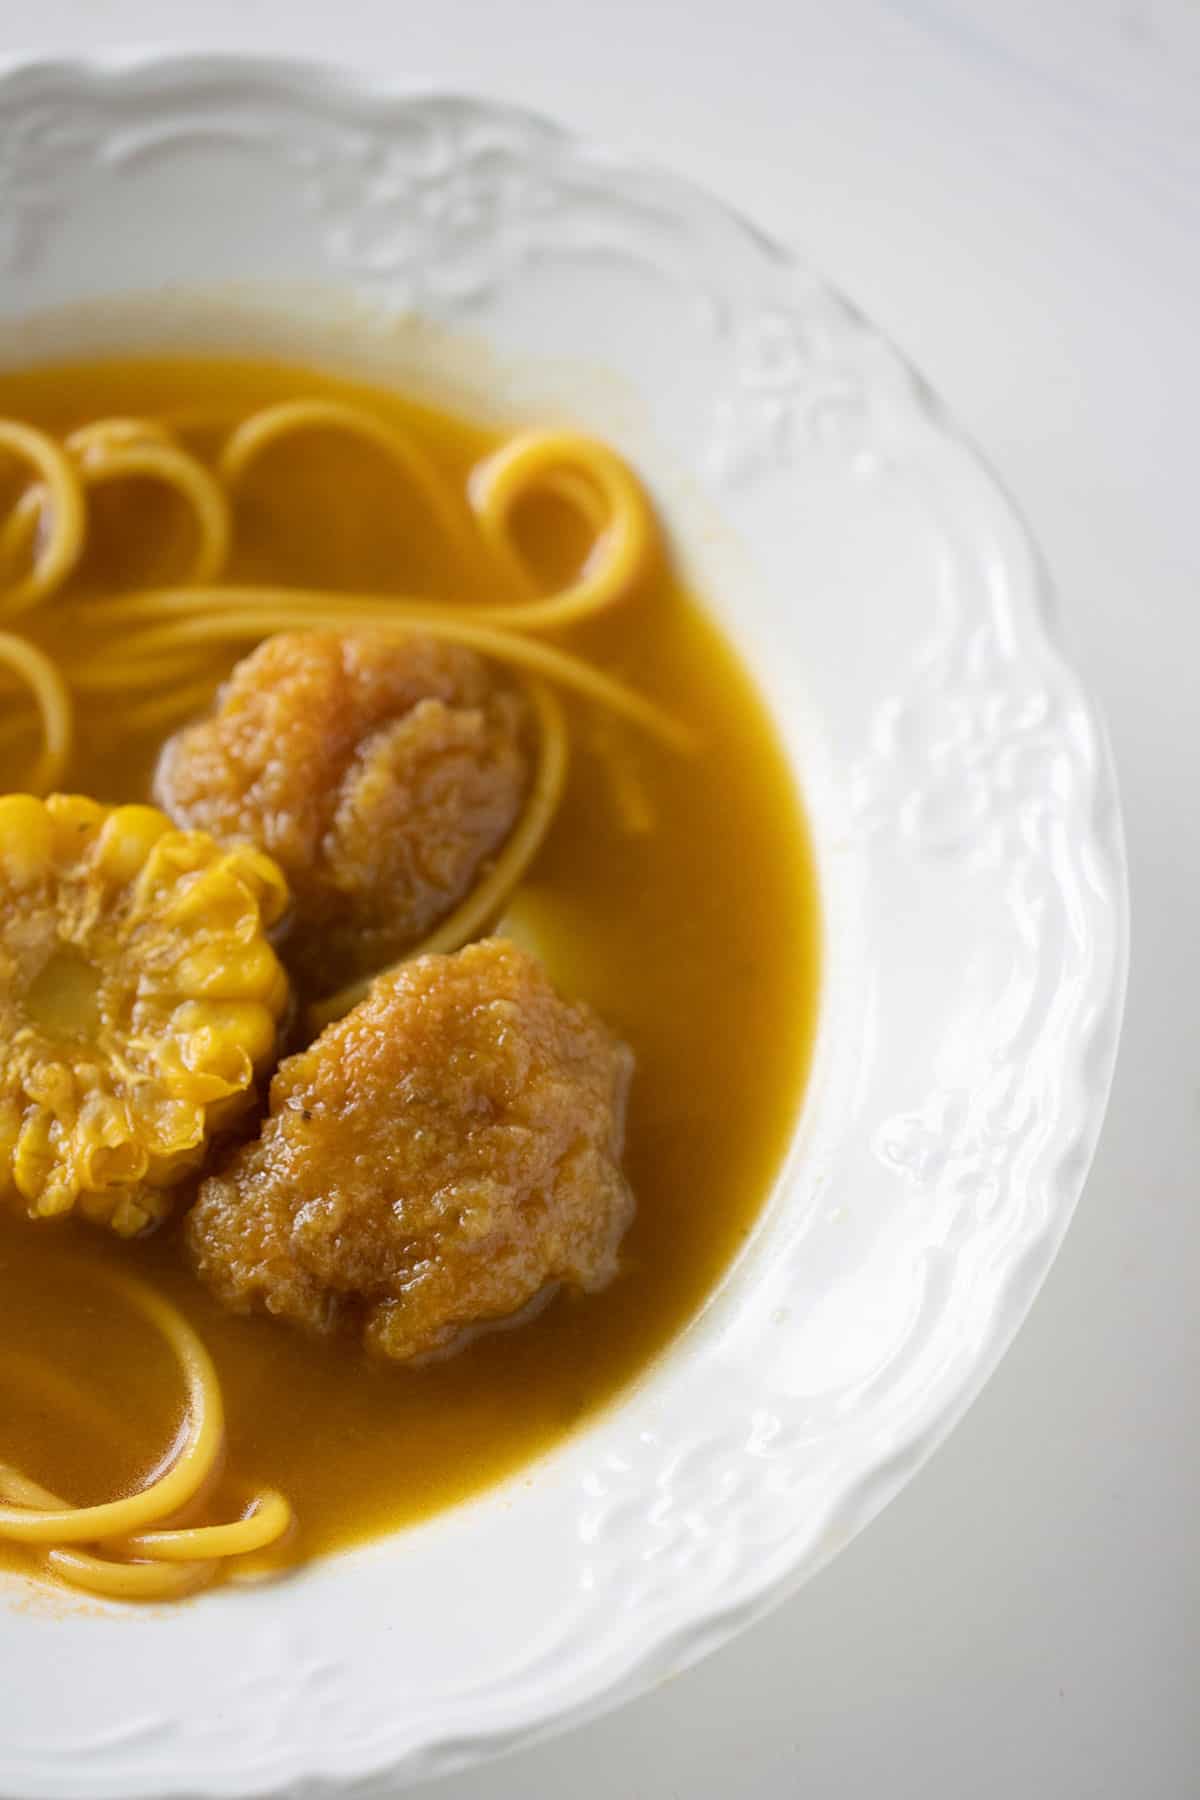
{"x":984,"y":787}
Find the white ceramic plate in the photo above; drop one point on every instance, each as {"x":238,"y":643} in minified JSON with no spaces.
{"x":969,"y":849}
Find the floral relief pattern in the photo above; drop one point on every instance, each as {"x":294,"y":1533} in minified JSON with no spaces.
{"x":955,"y":763}
{"x":444,"y":224}
{"x":792,"y":391}
{"x":44,"y":151}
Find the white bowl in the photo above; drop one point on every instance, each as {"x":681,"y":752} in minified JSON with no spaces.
{"x":970,"y":857}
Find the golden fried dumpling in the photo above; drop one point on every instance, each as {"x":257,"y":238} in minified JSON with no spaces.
{"x":139,"y":999}
{"x":379,"y":775}
{"x":435,"y":1161}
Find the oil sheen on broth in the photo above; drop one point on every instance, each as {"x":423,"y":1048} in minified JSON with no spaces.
{"x":696,"y":939}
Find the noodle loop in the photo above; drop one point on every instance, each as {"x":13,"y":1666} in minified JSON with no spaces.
{"x":266,"y":429}
{"x":120,"y":449}
{"x":57,"y":555}
{"x":583,"y":472}
{"x":144,"y":1556}
{"x":41,"y":676}
{"x":165,"y":638}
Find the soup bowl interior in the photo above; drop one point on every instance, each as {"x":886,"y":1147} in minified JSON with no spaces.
{"x":967,"y":841}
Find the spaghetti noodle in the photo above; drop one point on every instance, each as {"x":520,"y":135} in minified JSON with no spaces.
{"x":164,"y":638}
{"x":129,"y":1548}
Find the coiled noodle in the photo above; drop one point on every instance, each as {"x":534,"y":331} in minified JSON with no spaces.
{"x":130,"y":1548}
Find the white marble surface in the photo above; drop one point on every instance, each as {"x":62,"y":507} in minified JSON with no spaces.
{"x":1010,"y":188}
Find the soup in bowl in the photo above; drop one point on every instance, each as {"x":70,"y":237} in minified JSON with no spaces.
{"x":411,"y":945}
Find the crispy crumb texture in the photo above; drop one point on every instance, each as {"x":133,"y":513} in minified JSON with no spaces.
{"x":380,"y":776}
{"x":432,"y":1164}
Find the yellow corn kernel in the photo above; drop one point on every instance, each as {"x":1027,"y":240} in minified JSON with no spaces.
{"x":129,"y":1217}
{"x":103,"y":1119}
{"x":33,"y":1154}
{"x":108,"y":1154}
{"x":58,"y":1196}
{"x":215,"y":903}
{"x":209,"y":1030}
{"x":225,"y":1062}
{"x":176,"y":854}
{"x":52,"y":1086}
{"x":126,"y":840}
{"x":127,"y":1214}
{"x":245,"y":972}
{"x":75,"y":819}
{"x":201,"y":1086}
{"x":166,"y":1125}
{"x":113,"y":1165}
{"x":266,"y":881}
{"x":10,"y":1131}
{"x":88,"y":1076}
{"x":26,"y":839}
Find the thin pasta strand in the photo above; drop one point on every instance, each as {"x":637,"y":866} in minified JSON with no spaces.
{"x":156,"y":1564}
{"x":189,"y":1469}
{"x":53,"y":699}
{"x":569,"y":463}
{"x":268,"y":1518}
{"x":64,"y":540}
{"x":273,"y":424}
{"x":488,"y":897}
{"x":109,"y":450}
{"x":550,"y":779}
{"x":20,"y":528}
{"x":577,"y":467}
{"x":264,"y":611}
{"x":112,"y":1580}
{"x":144,"y":1581}
{"x":102,"y":437}
{"x":119,"y":449}
{"x":630,"y":801}
{"x":169,"y":708}
{"x":92,"y":677}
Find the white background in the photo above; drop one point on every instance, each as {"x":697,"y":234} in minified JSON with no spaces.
{"x":1011,"y":188}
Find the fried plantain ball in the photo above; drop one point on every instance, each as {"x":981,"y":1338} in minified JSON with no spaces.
{"x":433,"y":1163}
{"x":378,"y":775}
